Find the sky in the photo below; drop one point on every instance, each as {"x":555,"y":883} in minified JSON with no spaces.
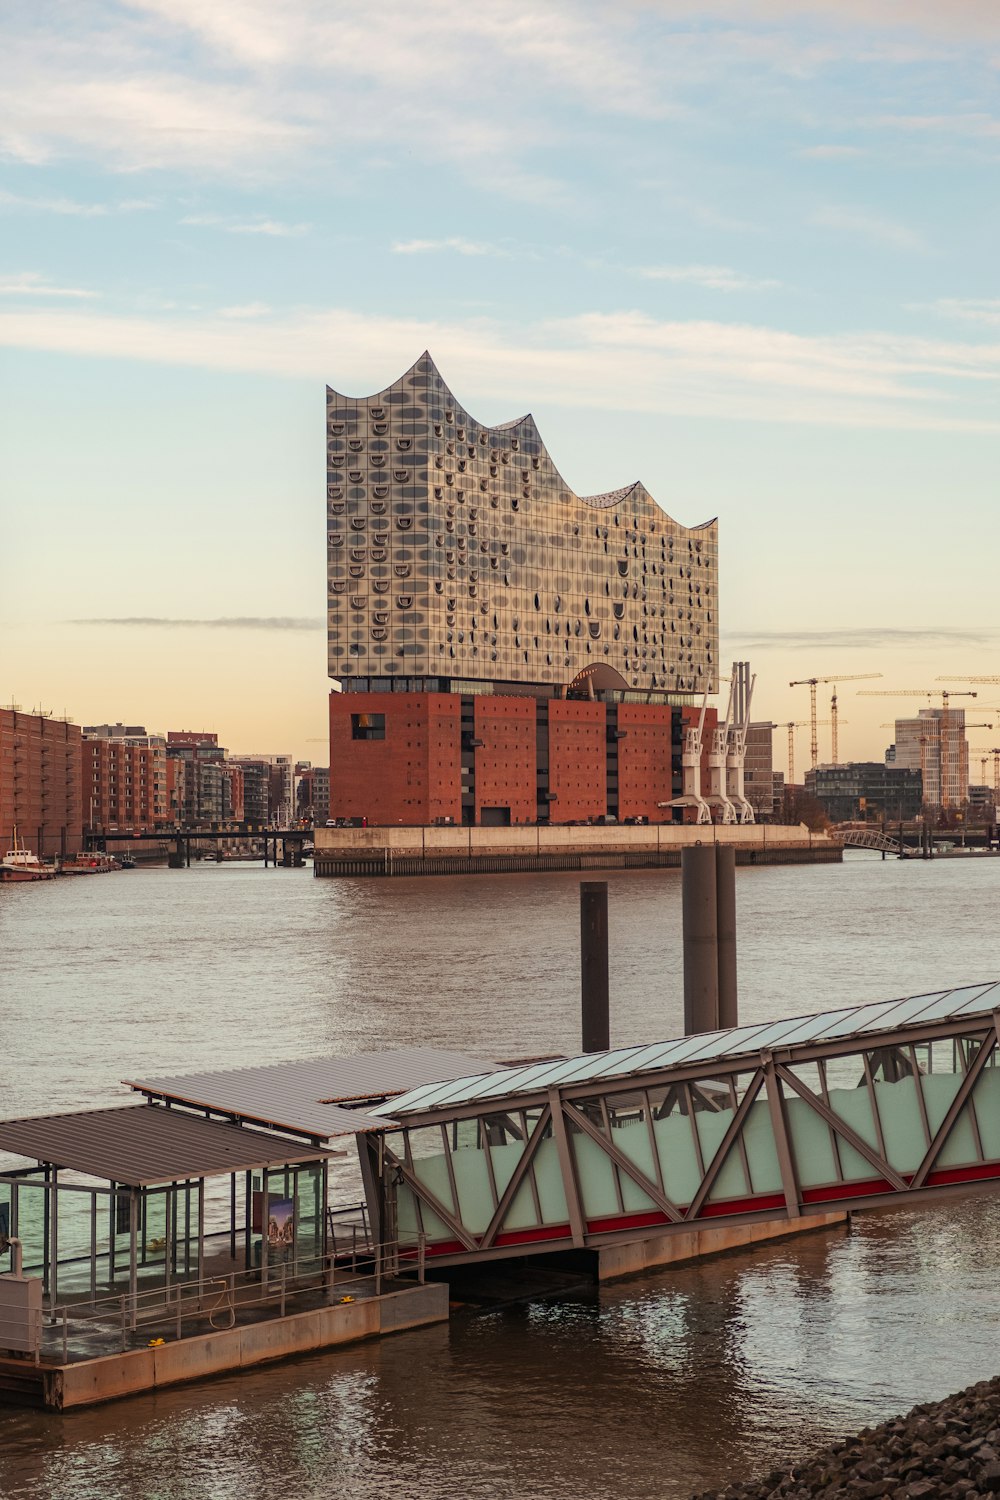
{"x":745,"y":251}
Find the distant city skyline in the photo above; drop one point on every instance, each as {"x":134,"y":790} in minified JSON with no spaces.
{"x":757,"y":241}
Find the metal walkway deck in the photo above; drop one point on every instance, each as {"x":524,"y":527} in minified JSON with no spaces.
{"x":862,"y":1107}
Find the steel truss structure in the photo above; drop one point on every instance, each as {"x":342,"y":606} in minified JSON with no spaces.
{"x":770,"y":1121}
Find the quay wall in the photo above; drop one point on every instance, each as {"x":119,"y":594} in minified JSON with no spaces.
{"x":635,"y":1256}
{"x":455,"y":850}
{"x":91,"y":1381}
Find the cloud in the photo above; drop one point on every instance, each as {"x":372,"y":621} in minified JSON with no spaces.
{"x":453,"y":242}
{"x":245,"y":310}
{"x":626,"y":360}
{"x":34,"y":284}
{"x":236,"y":622}
{"x":274,"y":228}
{"x":967,"y":309}
{"x":875,"y":229}
{"x":716,"y":278}
{"x":944,"y":124}
{"x":831,"y":153}
{"x":271,"y":227}
{"x":864,"y":638}
{"x":71,"y":207}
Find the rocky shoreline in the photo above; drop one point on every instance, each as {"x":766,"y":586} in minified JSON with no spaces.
{"x":943,"y":1448}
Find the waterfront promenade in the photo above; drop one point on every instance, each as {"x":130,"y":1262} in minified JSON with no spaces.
{"x":453,"y":850}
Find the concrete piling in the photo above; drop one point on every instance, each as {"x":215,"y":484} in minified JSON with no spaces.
{"x":701,"y":939}
{"x":595,"y":1002}
{"x":725,"y":906}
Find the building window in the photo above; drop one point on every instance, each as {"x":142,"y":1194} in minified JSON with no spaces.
{"x":367,"y":726}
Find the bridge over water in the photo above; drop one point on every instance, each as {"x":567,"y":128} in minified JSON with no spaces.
{"x":861,"y":1107}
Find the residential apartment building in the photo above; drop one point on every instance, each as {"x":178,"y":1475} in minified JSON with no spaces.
{"x":758,"y":770}
{"x":205,"y":790}
{"x":934,"y":743}
{"x":124,"y":777}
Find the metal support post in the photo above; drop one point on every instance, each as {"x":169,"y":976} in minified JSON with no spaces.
{"x":594,"y":965}
{"x":725,"y":902}
{"x":700,"y":919}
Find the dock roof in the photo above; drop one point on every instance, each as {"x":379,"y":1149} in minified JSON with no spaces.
{"x":145,"y":1145}
{"x":313,"y":1096}
{"x":705,"y":1047}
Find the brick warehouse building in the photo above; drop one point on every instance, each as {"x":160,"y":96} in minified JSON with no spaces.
{"x":40,"y":782}
{"x":503,"y":650}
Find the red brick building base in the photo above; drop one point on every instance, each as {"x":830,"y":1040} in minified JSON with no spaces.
{"x":420,"y":758}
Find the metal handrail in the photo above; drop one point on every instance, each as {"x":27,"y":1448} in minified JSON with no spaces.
{"x":279,"y":1284}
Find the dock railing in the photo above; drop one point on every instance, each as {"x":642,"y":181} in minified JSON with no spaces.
{"x":212,"y":1303}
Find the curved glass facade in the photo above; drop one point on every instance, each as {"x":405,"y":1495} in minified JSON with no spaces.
{"x":457,"y":550}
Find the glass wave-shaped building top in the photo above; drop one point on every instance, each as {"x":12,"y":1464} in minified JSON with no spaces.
{"x":459,"y":558}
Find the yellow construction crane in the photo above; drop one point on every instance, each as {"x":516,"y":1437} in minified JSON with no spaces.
{"x":945,"y":695}
{"x":811,"y":683}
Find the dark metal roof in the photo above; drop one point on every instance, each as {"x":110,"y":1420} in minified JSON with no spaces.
{"x":142,"y":1145}
{"x":309,"y":1096}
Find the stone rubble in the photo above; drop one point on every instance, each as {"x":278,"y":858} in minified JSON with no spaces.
{"x":944,"y":1448}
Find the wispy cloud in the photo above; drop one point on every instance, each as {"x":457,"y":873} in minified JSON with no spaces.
{"x":245,"y":310}
{"x":873,"y":228}
{"x":959,"y":123}
{"x":72,"y":207}
{"x":863,"y":638}
{"x":451,"y":242}
{"x":736,"y":371}
{"x":235,"y":622}
{"x":984,"y":310}
{"x":831,"y":153}
{"x":273,"y":228}
{"x":34,"y":284}
{"x":716,"y":278}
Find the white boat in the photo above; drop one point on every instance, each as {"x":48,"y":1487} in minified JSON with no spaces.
{"x":21,"y":864}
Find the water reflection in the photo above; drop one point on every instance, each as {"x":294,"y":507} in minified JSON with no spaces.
{"x":655,"y":1387}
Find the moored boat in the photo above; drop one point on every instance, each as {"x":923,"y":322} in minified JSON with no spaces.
{"x":89,"y":864}
{"x":20,"y":864}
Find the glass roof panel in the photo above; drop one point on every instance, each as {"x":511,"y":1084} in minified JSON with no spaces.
{"x":706,"y":1047}
{"x":944,"y":1005}
{"x":594,"y":1064}
{"x":862,"y":1018}
{"x":716,"y":1044}
{"x":808,"y":1028}
{"x":691,"y":1046}
{"x":976,"y":997}
{"x":635,"y":1059}
{"x":774,"y":1035}
{"x":430,"y":1098}
{"x":526,"y":1080}
{"x":905,"y":1011}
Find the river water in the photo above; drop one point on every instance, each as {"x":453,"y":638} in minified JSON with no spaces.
{"x":654,"y":1387}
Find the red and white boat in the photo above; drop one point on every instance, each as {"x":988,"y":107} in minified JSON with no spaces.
{"x":20,"y":864}
{"x":89,"y":864}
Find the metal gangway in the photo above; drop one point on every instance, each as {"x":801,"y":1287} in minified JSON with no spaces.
{"x":873,"y":838}
{"x":863,"y":1107}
